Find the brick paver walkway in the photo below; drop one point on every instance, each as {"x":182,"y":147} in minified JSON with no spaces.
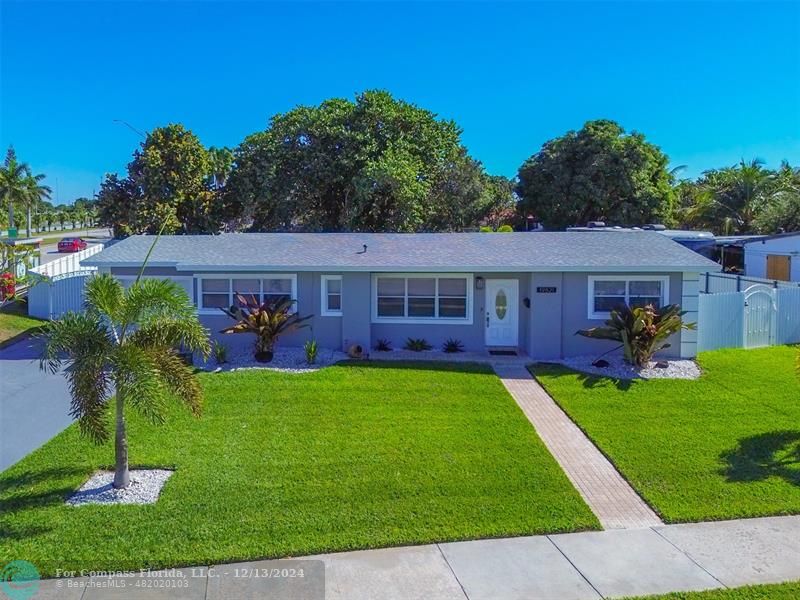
{"x":610,"y":497}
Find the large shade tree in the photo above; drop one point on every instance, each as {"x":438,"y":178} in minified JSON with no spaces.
{"x":600,"y":172}
{"x":169,"y":183}
{"x":123,"y":350}
{"x":374,"y":164}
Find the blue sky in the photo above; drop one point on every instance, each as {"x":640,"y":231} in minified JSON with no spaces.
{"x":708,"y":82}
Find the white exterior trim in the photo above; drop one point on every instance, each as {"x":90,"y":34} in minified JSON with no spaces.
{"x":592,"y":314}
{"x":230,"y":277}
{"x":323,"y":293}
{"x":423,"y":320}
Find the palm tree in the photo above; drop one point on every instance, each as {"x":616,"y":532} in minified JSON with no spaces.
{"x":35,"y":194}
{"x":125,"y":344}
{"x":221,"y":164}
{"x":13,"y":186}
{"x":735,"y":196}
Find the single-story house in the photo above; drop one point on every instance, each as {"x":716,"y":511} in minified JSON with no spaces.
{"x":773,"y":256}
{"x":525,"y":291}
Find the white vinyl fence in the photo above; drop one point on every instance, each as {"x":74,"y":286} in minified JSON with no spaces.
{"x":760,"y":315}
{"x":57,"y":286}
{"x":51,"y":298}
{"x":67,"y":264}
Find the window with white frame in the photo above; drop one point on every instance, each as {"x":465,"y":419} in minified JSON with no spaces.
{"x":609,"y":291}
{"x":419,"y":297}
{"x":221,"y":291}
{"x":331,"y":292}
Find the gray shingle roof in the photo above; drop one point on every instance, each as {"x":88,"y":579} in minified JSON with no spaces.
{"x":538,"y":251}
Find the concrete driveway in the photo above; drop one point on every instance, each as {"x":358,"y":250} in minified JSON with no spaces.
{"x":34,"y":405}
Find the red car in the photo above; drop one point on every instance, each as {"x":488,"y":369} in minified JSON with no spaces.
{"x":72,"y":244}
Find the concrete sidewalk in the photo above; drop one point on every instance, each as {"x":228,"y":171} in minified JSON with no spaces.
{"x":591,"y":565}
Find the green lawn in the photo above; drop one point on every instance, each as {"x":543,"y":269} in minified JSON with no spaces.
{"x":779,"y":591}
{"x":14,"y":322}
{"x":724,"y":446}
{"x":353,"y":456}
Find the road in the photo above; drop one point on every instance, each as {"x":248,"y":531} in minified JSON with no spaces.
{"x":49,"y":252}
{"x":34,"y":405}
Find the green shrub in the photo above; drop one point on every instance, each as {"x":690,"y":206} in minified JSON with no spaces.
{"x":451,"y":346}
{"x":642,"y":331}
{"x":311,"y":350}
{"x":417,"y":345}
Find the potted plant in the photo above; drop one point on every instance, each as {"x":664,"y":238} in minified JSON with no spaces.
{"x":266,"y":321}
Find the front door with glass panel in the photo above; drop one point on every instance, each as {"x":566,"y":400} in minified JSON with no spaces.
{"x":502,"y":312}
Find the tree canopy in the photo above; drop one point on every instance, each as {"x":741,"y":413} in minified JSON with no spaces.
{"x":599,"y":173}
{"x":375,"y":164}
{"x":169,"y":181}
{"x":742,"y":199}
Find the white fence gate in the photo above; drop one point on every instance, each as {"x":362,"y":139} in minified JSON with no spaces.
{"x":758,"y":316}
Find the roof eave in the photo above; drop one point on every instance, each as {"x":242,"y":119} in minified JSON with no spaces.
{"x":411,"y":269}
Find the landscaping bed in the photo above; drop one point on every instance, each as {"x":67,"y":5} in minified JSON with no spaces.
{"x":724,"y":446}
{"x":352,"y":456}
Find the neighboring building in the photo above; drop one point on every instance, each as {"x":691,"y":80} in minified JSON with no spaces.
{"x":773,"y":257}
{"x":527,"y":291}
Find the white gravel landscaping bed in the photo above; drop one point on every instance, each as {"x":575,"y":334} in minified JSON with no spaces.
{"x":287,"y":360}
{"x":619,"y":369}
{"x":144,"y":488}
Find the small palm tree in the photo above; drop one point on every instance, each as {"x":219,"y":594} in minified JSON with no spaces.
{"x":125,"y":346}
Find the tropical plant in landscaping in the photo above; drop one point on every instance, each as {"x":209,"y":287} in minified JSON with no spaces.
{"x":267,"y":321}
{"x":125,"y":346}
{"x":417,"y":345}
{"x":8,"y":287}
{"x":311,"y":349}
{"x":383,"y":345}
{"x":220,"y":353}
{"x":642,"y":330}
{"x":452,"y":345}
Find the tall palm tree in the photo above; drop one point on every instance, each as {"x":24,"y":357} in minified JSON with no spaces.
{"x":35,"y":194}
{"x":221,"y":165}
{"x":125,"y":347}
{"x":13,"y":186}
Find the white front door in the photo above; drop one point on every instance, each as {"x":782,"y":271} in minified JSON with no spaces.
{"x":502,"y":312}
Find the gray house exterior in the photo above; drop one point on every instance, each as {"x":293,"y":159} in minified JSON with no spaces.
{"x":526,"y":291}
